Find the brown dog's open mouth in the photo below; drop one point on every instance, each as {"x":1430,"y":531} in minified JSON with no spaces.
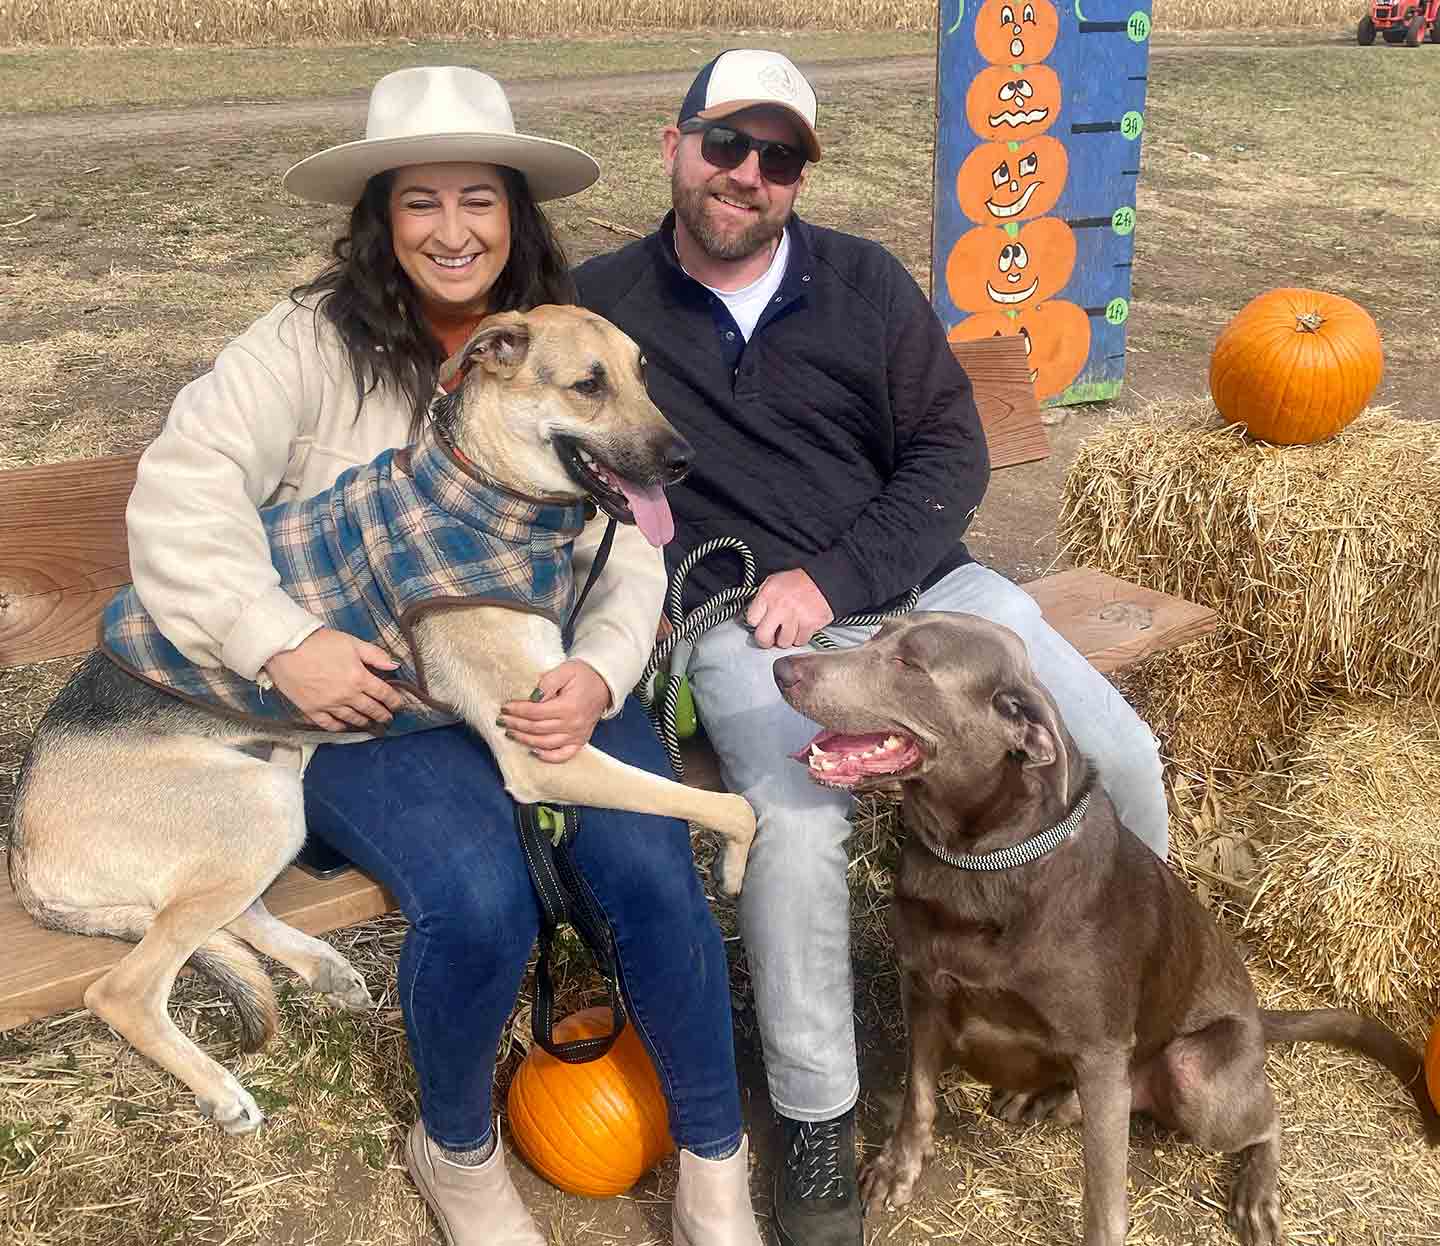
{"x":643,"y":505}
{"x":839,"y":760}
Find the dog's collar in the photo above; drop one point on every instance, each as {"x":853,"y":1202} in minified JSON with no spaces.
{"x":1027,"y":850}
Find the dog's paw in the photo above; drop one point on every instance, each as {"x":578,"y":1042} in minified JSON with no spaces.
{"x":233,"y":1109}
{"x":890,"y":1177}
{"x":1024,"y":1107}
{"x":732,"y":868}
{"x":1255,"y":1205}
{"x":338,"y":982}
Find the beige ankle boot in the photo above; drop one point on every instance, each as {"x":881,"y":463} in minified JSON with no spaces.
{"x":712,"y":1201}
{"x":474,"y":1206}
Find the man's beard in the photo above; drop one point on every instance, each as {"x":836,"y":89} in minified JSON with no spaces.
{"x":691,"y":203}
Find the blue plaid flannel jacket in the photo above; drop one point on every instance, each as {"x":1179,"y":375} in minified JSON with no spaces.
{"x":413,"y":530}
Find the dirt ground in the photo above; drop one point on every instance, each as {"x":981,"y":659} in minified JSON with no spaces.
{"x":158,"y":233}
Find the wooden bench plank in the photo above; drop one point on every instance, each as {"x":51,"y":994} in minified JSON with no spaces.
{"x":62,"y":554}
{"x":1114,"y":623}
{"x":999,"y":372}
{"x":46,"y":971}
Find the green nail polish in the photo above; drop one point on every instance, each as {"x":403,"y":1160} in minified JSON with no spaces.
{"x":499,"y":722}
{"x":537,"y":695}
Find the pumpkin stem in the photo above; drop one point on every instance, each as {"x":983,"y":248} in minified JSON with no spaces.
{"x":1309,"y":322}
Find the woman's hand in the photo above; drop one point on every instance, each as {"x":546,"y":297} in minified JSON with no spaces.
{"x":558,"y":725}
{"x":328,"y":677}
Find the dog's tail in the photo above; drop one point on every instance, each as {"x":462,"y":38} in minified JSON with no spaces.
{"x":232,"y":967}
{"x":1359,"y":1034}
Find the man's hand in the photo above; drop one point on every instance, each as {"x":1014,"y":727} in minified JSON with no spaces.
{"x":328,"y":677}
{"x":559,"y":724}
{"x":788,"y":610}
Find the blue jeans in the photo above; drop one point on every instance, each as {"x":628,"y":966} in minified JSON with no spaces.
{"x":427,"y":815}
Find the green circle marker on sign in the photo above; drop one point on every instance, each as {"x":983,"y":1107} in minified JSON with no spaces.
{"x":1117,"y":311}
{"x":1122,"y":221}
{"x":1138,"y":27}
{"x":1131,"y":124}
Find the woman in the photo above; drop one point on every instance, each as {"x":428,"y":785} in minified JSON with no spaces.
{"x":444,"y":230}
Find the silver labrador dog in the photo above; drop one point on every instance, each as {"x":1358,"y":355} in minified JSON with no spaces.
{"x":1043,"y":948}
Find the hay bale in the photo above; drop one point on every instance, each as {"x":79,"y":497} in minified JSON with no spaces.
{"x":1350,"y":865}
{"x":1323,"y":560}
{"x":1207,"y":711}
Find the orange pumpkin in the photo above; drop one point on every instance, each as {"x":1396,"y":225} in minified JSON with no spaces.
{"x":1057,"y":340}
{"x":1013,"y":101}
{"x":1001,"y":182}
{"x":990,"y":268}
{"x":1432,"y":1063}
{"x":1016,"y":32}
{"x":594,"y":1128}
{"x":1296,"y":366}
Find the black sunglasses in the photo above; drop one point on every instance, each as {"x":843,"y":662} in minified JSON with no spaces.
{"x":728,"y":148}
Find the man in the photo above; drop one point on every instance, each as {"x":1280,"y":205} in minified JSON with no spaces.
{"x":834,"y":434}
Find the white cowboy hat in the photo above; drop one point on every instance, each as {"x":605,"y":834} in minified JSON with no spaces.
{"x":432,"y":115}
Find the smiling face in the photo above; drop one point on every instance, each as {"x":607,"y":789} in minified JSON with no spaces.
{"x":730,"y":215}
{"x":450,"y":227}
{"x":1000,"y":182}
{"x":994,"y":269}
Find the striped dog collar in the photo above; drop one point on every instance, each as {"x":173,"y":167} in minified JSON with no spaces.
{"x":1026,"y":851}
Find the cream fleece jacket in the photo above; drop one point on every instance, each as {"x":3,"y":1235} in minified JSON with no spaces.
{"x":275,"y":420}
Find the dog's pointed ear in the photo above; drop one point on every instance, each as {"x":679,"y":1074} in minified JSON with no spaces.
{"x":1032,"y":725}
{"x":499,"y":345}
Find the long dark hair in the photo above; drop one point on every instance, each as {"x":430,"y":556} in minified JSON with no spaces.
{"x":373,"y":305}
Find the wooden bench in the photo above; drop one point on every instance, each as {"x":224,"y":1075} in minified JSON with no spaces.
{"x":63,"y":556}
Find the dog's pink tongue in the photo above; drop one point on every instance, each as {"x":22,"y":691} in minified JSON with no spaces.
{"x":651,"y":511}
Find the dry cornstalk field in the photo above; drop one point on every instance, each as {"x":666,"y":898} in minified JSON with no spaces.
{"x":276,"y":22}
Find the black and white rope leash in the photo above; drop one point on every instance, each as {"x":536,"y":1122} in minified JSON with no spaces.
{"x":672,"y":655}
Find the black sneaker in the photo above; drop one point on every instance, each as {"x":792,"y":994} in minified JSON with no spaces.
{"x":817,"y":1199}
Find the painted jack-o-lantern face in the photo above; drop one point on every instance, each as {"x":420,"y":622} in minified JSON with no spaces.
{"x":1002,"y":182}
{"x":992,"y":269}
{"x":1009,"y":102}
{"x":1057,"y":340}
{"x":1016,"y":32}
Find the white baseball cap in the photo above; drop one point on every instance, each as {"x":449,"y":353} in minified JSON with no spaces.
{"x":434,"y":115}
{"x":750,"y":78}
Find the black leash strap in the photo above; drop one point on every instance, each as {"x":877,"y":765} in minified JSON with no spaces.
{"x":602,"y":556}
{"x":546,"y":833}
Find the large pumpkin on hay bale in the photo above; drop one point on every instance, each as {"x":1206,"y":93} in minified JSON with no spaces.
{"x":1296,"y":366}
{"x":1432,"y":1063}
{"x":595,"y":1128}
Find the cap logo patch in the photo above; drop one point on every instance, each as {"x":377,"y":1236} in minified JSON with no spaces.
{"x":779,"y":81}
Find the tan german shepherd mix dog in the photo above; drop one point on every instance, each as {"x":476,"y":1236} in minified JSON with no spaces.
{"x":145,"y":817}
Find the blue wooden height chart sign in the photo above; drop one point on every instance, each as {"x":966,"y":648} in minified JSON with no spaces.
{"x":1041,"y":107}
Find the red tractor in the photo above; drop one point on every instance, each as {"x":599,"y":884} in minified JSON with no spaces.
{"x":1400,"y":21}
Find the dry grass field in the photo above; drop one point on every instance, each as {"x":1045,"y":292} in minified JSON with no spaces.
{"x":280,"y":22}
{"x":135,"y":239}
